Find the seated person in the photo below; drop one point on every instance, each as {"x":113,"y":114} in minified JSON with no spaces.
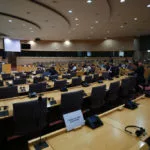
{"x":93,"y":68}
{"x":107,"y":66}
{"x":52,"y":71}
{"x":74,"y":68}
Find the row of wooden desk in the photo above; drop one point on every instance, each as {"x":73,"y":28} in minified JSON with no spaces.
{"x":56,"y":94}
{"x":110,"y":136}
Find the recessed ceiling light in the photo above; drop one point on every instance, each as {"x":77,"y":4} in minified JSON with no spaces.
{"x":89,"y":1}
{"x":121,"y":26}
{"x":92,"y":27}
{"x":28,"y":12}
{"x":122,"y":1}
{"x":76,"y":19}
{"x":54,"y":1}
{"x":135,"y":19}
{"x":148,"y":5}
{"x":77,"y":24}
{"x":32,"y":31}
{"x":96,"y":21}
{"x":9,"y":20}
{"x":70,"y":11}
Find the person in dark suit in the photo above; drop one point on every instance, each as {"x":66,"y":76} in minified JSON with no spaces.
{"x":107,"y":66}
{"x":52,"y":71}
{"x":140,"y":74}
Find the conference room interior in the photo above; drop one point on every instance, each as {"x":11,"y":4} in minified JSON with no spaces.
{"x":74,"y":74}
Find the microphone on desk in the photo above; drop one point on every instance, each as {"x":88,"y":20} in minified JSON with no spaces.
{"x":42,"y":143}
{"x":40,"y":97}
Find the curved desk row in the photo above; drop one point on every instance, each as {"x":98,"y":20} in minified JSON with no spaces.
{"x":110,"y":136}
{"x":56,"y":94}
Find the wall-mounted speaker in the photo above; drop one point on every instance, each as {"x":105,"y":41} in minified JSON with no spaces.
{"x":37,"y":39}
{"x":25,"y":46}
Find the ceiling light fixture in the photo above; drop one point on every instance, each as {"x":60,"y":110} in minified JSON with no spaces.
{"x":32,"y":31}
{"x":76,"y":19}
{"x":148,"y":51}
{"x":70,"y":11}
{"x":89,"y":1}
{"x":92,"y":27}
{"x":135,"y":19}
{"x":77,"y":24}
{"x":96,"y":21}
{"x":148,"y":5}
{"x":122,"y":1}
{"x":9,"y":20}
{"x":121,"y":26}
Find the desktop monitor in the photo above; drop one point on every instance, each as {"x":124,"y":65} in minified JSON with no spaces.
{"x":38,"y":88}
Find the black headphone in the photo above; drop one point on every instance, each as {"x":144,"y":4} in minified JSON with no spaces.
{"x":139,"y":132}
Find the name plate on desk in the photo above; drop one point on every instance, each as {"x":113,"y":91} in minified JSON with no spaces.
{"x":74,"y":120}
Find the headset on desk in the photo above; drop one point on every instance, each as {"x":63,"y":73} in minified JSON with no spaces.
{"x":139,"y":130}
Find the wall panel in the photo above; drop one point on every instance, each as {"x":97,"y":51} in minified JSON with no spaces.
{"x":31,"y":60}
{"x":97,"y":45}
{"x":1,"y":44}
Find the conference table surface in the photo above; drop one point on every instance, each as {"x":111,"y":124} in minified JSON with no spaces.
{"x":56,"y":94}
{"x":107,"y":137}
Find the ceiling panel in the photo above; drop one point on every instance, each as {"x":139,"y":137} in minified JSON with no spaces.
{"x":98,"y":20}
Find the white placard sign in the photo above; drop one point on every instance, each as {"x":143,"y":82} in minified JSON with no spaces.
{"x":73,"y":120}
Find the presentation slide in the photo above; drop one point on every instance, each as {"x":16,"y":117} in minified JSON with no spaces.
{"x":89,"y":54}
{"x":11,"y":45}
{"x":121,"y":54}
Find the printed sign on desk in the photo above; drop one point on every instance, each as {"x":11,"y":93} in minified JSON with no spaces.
{"x":73,"y":120}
